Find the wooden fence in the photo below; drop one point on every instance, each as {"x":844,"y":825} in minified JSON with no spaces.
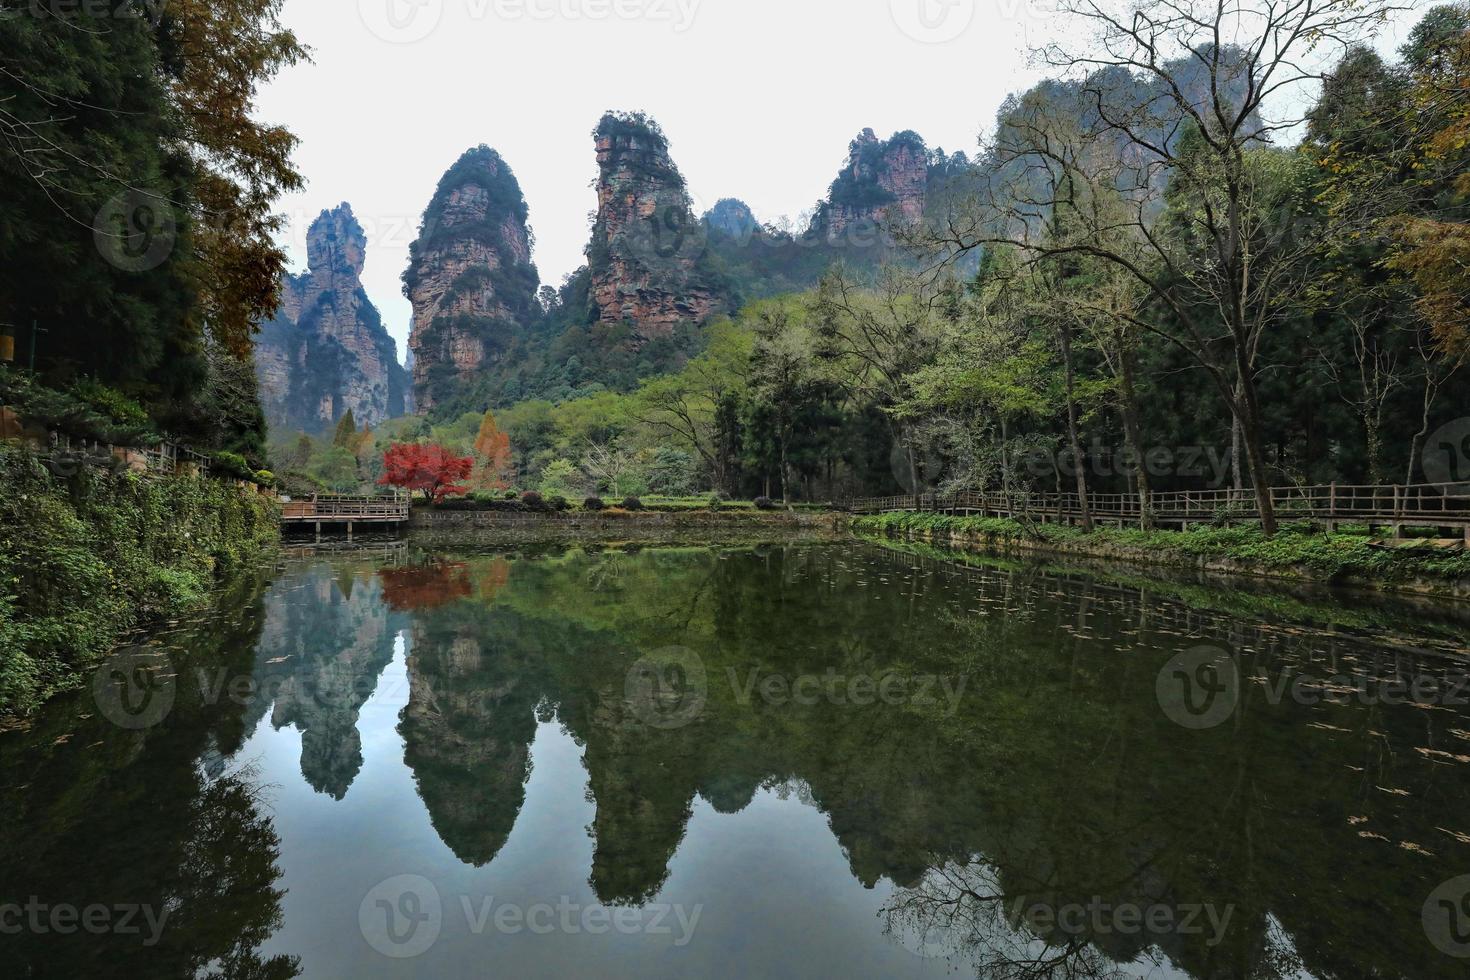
{"x":1425,"y":505}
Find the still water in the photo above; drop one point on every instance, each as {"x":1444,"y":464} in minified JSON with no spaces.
{"x":801,"y":760}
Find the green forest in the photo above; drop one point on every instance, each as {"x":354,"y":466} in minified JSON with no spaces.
{"x":1143,"y":270}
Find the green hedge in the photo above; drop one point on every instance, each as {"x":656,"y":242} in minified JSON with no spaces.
{"x":86,"y":557}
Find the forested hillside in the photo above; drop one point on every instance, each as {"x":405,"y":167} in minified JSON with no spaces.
{"x":137,"y":251}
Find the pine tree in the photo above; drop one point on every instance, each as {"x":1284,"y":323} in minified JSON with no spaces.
{"x":346,"y":434}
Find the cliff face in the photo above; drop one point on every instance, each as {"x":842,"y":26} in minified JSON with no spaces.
{"x":470,"y":277}
{"x":883,"y":184}
{"x":647,"y":246}
{"x":326,"y":351}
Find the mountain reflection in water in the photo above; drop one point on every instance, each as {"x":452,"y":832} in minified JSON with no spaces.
{"x":850,"y":759}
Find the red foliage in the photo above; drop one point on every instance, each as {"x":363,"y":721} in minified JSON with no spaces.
{"x":432,"y":470}
{"x":427,"y":586}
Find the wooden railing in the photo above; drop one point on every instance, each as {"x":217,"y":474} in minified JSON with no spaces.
{"x":1426,"y":504}
{"x":334,"y":509}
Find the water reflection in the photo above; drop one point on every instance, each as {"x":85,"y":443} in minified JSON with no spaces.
{"x":986,"y":744}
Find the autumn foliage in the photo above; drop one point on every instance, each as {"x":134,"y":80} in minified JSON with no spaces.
{"x":428,"y":469}
{"x":494,"y":468}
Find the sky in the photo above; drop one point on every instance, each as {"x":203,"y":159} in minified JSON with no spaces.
{"x":759,"y":99}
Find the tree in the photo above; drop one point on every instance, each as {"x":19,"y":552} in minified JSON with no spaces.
{"x":782,"y":378}
{"x":428,"y":469}
{"x":876,"y":338}
{"x":495,"y":468}
{"x":687,"y":405}
{"x":1163,"y":101}
{"x":345,"y":436}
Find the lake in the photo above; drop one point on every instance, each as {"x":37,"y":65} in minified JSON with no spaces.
{"x":836,"y":759}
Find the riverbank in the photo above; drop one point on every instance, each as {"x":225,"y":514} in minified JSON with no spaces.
{"x":88,"y":555}
{"x":1298,"y":553}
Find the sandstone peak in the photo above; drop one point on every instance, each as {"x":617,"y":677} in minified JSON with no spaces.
{"x":647,"y":249}
{"x":470,"y":279}
{"x":326,"y":352}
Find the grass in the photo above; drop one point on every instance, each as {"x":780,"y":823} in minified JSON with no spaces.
{"x":1299,"y":547}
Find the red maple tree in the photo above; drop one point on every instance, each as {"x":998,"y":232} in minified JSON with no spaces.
{"x":432,"y":470}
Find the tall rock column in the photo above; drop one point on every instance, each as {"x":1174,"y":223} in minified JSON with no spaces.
{"x":647,"y":247}
{"x":883,"y":183}
{"x":470,"y":278}
{"x":326,"y":352}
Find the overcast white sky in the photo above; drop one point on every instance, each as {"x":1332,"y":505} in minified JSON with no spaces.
{"x":759,"y":99}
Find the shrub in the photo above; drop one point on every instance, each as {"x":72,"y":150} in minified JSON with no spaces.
{"x":265,"y":478}
{"x":764,"y":503}
{"x":716,"y":500}
{"x":593,"y":503}
{"x":632,"y":503}
{"x":534,"y":501}
{"x":233,"y":464}
{"x":559,"y":503}
{"x":512,"y":495}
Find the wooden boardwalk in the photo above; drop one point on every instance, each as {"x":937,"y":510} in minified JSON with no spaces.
{"x":330,"y":511}
{"x":1439,"y":506}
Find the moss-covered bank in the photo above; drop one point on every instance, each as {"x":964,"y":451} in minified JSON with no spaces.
{"x":1300,"y":552}
{"x":89,"y":556}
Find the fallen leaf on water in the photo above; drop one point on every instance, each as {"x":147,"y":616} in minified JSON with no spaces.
{"x":1462,"y":838}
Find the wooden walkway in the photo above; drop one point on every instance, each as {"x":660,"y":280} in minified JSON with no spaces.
{"x":1394,"y":507}
{"x":330,"y":511}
